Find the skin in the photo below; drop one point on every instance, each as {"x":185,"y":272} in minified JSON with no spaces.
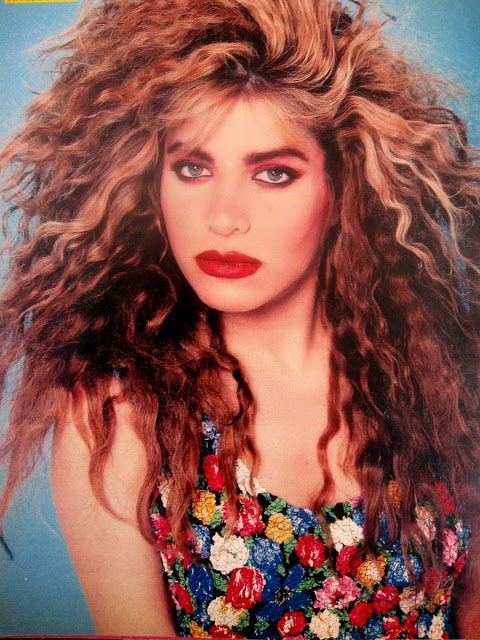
{"x":258,"y":186}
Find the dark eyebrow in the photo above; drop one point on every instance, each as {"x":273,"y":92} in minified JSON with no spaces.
{"x":251,"y":158}
{"x":260,"y":156}
{"x":197,"y":153}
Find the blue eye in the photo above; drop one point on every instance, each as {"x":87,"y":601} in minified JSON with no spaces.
{"x":276,"y":175}
{"x":190,"y":170}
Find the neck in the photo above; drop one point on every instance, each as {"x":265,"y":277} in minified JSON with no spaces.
{"x":290,"y":335}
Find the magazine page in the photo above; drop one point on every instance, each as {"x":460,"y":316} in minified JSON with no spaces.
{"x":40,"y":593}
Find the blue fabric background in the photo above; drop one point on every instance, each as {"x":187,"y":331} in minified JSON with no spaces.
{"x":39,"y":592}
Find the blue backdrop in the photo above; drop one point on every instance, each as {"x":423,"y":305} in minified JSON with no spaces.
{"x":39,"y":592}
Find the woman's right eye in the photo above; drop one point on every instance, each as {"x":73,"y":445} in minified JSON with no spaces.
{"x":190,"y":170}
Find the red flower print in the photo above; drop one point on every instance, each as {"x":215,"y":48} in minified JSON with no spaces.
{"x":460,"y":563}
{"x":249,"y":517}
{"x":181,"y":597}
{"x":310,"y":551}
{"x":211,"y":469}
{"x":410,"y":624}
{"x":446,"y":501}
{"x":170,"y":554}
{"x":224,"y":632}
{"x":291,"y":623}
{"x":348,"y":560}
{"x":361,"y":614}
{"x":385,"y":598}
{"x":244,"y":587}
{"x":392,"y":625}
{"x":161,"y":527}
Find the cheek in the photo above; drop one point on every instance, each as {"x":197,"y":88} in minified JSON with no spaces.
{"x":301,"y":224}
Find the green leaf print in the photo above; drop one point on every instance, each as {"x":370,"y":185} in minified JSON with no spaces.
{"x":217,"y":519}
{"x":327,"y":571}
{"x":184,"y":619}
{"x":289,"y":546}
{"x":261,"y":625}
{"x":219,"y":581}
{"x":328,"y":511}
{"x":318,"y":532}
{"x":275,"y":507}
{"x":180,"y":570}
{"x":244,"y":621}
{"x":308,"y":583}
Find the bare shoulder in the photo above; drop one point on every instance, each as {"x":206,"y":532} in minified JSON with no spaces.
{"x":119,"y":570}
{"x":466,"y":594}
{"x":126,"y":465}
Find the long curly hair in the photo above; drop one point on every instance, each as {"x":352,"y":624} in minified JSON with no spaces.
{"x":94,"y":292}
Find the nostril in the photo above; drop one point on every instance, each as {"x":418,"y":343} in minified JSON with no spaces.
{"x":226,"y":222}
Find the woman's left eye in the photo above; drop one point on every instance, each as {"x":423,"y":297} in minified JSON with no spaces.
{"x":190,"y":170}
{"x":276,"y":175}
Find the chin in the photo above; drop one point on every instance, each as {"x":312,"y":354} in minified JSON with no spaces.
{"x":228,"y":301}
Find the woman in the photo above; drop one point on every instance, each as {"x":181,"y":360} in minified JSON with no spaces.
{"x":246,"y":259}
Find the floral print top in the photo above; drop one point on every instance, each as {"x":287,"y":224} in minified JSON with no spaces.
{"x":271,"y":578}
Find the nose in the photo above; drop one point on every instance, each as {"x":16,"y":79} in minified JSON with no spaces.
{"x":227,"y":215}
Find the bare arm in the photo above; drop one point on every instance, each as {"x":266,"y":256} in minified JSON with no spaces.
{"x":118,"y":569}
{"x":466,"y":596}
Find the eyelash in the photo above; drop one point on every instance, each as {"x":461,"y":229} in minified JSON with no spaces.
{"x":182,"y":164}
{"x":291,"y":174}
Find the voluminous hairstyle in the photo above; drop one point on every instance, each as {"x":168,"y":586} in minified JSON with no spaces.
{"x":94,"y":293}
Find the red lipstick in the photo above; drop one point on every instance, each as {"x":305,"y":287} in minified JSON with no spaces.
{"x":227,"y":265}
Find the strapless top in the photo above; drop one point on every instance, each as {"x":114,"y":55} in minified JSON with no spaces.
{"x":271,"y":577}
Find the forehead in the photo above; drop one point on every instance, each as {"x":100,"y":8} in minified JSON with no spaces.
{"x":243,"y":123}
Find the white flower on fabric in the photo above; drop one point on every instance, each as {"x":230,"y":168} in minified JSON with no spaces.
{"x":242,"y":473}
{"x":411,"y":599}
{"x":426,"y":522}
{"x":164,"y":490}
{"x":223,"y":613}
{"x":228,"y":553}
{"x":345,"y":532}
{"x":325,"y":625}
{"x":243,"y":477}
{"x":437,"y":627}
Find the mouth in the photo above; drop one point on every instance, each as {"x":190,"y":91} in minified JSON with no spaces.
{"x":227,"y":265}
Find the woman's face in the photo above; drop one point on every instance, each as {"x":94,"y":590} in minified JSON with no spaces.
{"x":245,"y":210}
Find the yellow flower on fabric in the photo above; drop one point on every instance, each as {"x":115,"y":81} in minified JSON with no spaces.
{"x":393,"y":493}
{"x":279,"y":528}
{"x":204,"y":506}
{"x":440,"y":598}
{"x":197,"y":631}
{"x":371,"y":571}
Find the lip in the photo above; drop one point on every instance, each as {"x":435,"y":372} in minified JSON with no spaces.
{"x":227,"y":265}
